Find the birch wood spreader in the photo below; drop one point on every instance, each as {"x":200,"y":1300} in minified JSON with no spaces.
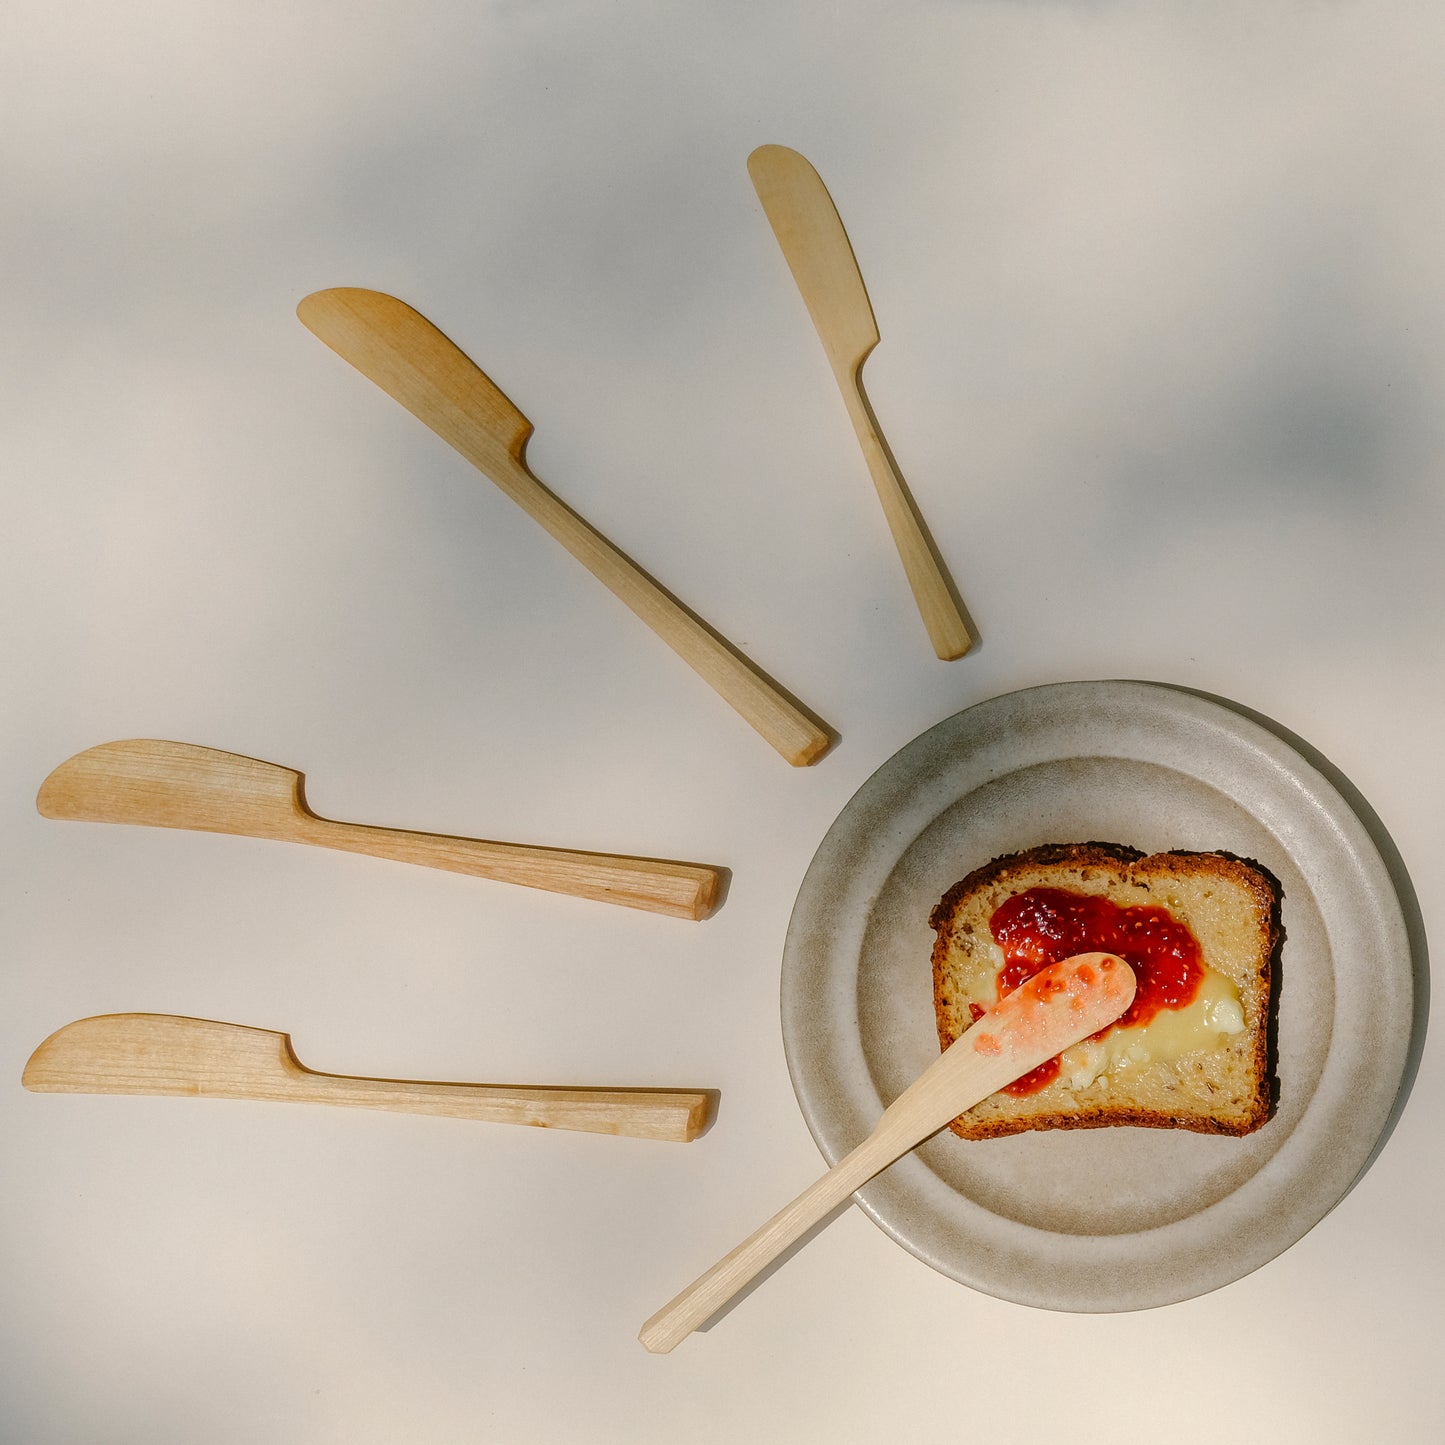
{"x":413,"y":362}
{"x":1054,"y":1009}
{"x":816,"y":247}
{"x":142,"y":1053}
{"x":158,"y":784}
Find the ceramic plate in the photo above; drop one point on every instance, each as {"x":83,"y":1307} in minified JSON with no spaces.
{"x":1101,"y":1219}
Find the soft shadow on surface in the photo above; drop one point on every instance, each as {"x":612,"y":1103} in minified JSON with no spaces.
{"x":1405,"y":890}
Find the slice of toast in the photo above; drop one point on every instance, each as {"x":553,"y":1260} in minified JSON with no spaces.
{"x":1201,"y":1062}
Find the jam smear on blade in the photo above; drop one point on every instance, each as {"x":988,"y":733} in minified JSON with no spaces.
{"x":1043,"y":925}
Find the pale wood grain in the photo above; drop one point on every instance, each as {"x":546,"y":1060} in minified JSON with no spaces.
{"x":161,"y":784}
{"x":813,"y":241}
{"x":142,"y":1053}
{"x":1056,"y":1008}
{"x":413,"y":362}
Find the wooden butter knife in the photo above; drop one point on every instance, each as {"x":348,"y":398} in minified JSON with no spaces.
{"x":813,"y":241}
{"x":413,"y":362}
{"x":1054,"y":1009}
{"x":159,"y":784}
{"x":142,"y":1053}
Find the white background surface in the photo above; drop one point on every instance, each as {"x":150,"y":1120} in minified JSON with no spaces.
{"x":1162,"y":300}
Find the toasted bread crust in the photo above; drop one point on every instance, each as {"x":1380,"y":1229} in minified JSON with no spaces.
{"x":1231,"y":1096}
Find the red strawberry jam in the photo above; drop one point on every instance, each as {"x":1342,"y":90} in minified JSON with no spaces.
{"x":1043,"y":925}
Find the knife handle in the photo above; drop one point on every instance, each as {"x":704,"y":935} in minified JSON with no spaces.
{"x":673,"y":1116}
{"x":932,"y":590}
{"x":680,"y":890}
{"x":794,"y":733}
{"x":737,"y":1269}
